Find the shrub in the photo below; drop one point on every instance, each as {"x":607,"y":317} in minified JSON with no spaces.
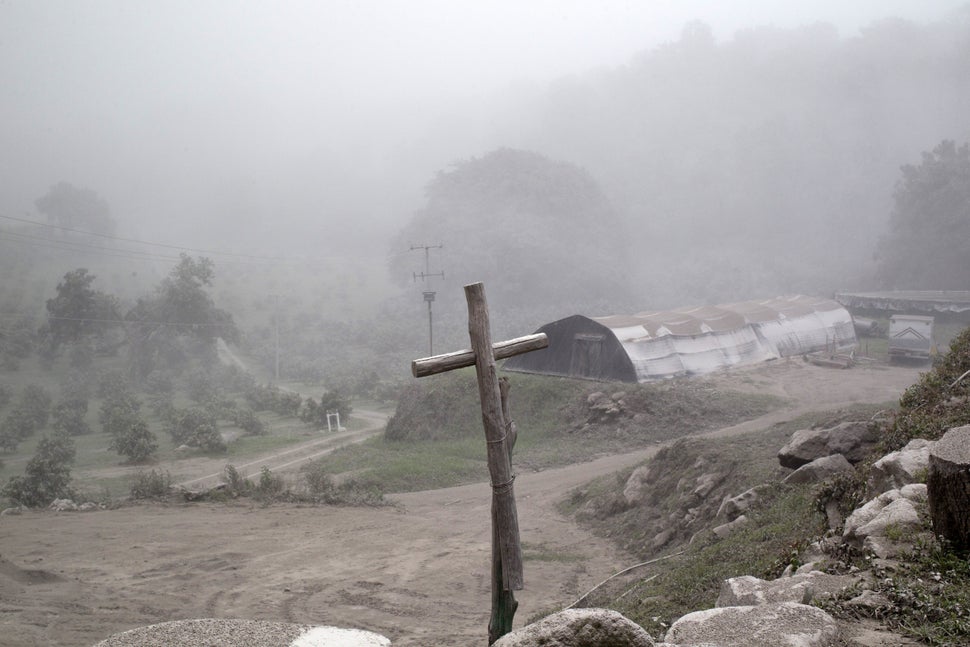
{"x":270,"y":485}
{"x":937,"y":402}
{"x":151,"y":485}
{"x":17,"y":425}
{"x":136,"y":441}
{"x":69,"y":417}
{"x":36,"y":402}
{"x":196,"y":427}
{"x":47,"y":475}
{"x":248,"y":421}
{"x":236,"y":485}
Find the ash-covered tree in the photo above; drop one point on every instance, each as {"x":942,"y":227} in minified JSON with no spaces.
{"x":536,"y":231}
{"x":196,"y":427}
{"x":136,"y":441}
{"x":71,"y":207}
{"x":47,"y":475}
{"x":315,"y":413}
{"x":179,"y":322}
{"x":78,"y":311}
{"x":928,"y":245}
{"x":69,"y":417}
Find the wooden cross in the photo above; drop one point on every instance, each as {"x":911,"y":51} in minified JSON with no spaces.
{"x":499,"y":438}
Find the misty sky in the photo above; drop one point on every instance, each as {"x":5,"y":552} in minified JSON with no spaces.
{"x":196,"y":110}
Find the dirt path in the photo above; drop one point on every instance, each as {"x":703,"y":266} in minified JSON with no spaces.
{"x":416,"y":572}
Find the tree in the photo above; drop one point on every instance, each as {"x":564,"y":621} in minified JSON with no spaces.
{"x":76,"y":208}
{"x":330,"y":402}
{"x":69,"y":417}
{"x":78,"y":310}
{"x":929,"y":238}
{"x":536,"y":231}
{"x":35,"y":401}
{"x":196,"y":427}
{"x":47,"y":475}
{"x":179,"y":321}
{"x":136,"y":441}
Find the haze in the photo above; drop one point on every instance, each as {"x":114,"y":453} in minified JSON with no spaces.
{"x":724,"y":135}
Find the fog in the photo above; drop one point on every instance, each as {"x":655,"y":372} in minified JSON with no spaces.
{"x":301,"y":128}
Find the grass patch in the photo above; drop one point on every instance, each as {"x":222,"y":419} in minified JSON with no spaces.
{"x":691,"y":581}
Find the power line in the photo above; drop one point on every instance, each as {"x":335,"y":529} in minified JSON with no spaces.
{"x":75,"y":246}
{"x":141,"y":242}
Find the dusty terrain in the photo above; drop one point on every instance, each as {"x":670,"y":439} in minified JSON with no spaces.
{"x":416,"y":571}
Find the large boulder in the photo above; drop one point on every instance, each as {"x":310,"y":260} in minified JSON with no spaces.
{"x":896,"y":469}
{"x":748,"y":591}
{"x":579,"y":628}
{"x":820,"y":469}
{"x":768,"y":625}
{"x":893,"y":511}
{"x":854,"y":440}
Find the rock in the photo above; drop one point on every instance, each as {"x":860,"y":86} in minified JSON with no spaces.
{"x":803,"y":588}
{"x":733,"y":507}
{"x":766,"y":625}
{"x":888,"y":512}
{"x":579,"y":628}
{"x":62,"y":505}
{"x":854,"y":440}
{"x":729,"y":528}
{"x":88,"y":506}
{"x":637,"y":486}
{"x":706,"y":483}
{"x":662,"y":538}
{"x":10,"y":511}
{"x":820,"y":469}
{"x":870,"y":600}
{"x":896,"y":469}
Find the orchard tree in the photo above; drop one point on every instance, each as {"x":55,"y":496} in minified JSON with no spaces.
{"x":69,"y":417}
{"x":71,"y":207}
{"x":136,"y":441}
{"x":928,"y":245}
{"x":179,"y":321}
{"x":47,"y":475}
{"x":78,"y":310}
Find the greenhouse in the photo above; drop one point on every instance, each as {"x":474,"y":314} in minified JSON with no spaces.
{"x":691,"y":341}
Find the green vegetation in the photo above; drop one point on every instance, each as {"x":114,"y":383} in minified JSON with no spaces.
{"x":435,"y":438}
{"x":938,"y":401}
{"x":691,"y":581}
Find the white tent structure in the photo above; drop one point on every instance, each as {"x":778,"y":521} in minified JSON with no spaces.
{"x":691,"y":341}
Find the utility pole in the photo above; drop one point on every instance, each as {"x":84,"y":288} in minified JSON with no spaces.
{"x":428,"y":294}
{"x":276,"y":320}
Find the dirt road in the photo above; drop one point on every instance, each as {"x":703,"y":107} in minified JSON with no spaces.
{"x":416,"y":572}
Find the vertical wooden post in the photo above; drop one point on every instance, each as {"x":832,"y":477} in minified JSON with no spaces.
{"x":505,"y":534}
{"x":503,"y":600}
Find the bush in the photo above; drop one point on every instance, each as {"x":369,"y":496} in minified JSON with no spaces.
{"x":270,"y":485}
{"x":47,"y":475}
{"x":247,"y":420}
{"x":196,"y":427}
{"x":151,"y":485}
{"x":17,"y":425}
{"x":69,"y":417}
{"x":110,"y":383}
{"x":136,"y":441}
{"x":36,"y":402}
{"x":236,"y":485}
{"x":119,"y":411}
{"x":937,"y":402}
{"x":330,"y":402}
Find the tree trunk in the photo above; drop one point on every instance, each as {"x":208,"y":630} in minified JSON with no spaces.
{"x":948,"y":487}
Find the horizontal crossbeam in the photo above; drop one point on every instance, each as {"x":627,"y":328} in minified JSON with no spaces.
{"x":463,"y":358}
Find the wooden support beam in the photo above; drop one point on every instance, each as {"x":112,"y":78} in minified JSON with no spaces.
{"x":464,"y":358}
